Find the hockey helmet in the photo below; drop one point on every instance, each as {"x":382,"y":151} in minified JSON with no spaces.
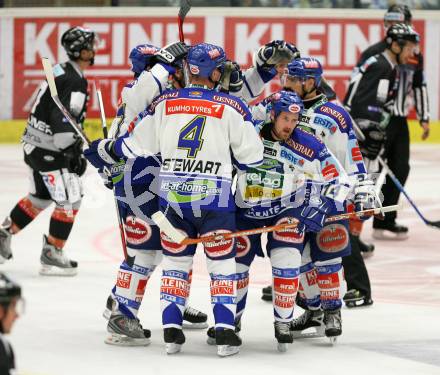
{"x":8,"y":290}
{"x":286,"y":101}
{"x":76,"y":39}
{"x":401,"y":33}
{"x":305,"y":67}
{"x":204,"y":58}
{"x":140,"y":57}
{"x":397,"y":13}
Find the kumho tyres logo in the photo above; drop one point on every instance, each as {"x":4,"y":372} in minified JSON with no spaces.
{"x":189,"y":191}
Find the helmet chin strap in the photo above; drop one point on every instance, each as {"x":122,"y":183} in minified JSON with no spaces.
{"x":306,"y":92}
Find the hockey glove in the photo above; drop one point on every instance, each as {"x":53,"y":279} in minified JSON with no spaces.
{"x":171,"y":54}
{"x":232,"y":77}
{"x":375,"y":138}
{"x":80,"y":167}
{"x":275,"y":52}
{"x":100,"y":153}
{"x":314,"y":213}
{"x":365,"y":196}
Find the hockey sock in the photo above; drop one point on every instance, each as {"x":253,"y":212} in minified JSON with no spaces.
{"x":308,"y":293}
{"x":25,"y":211}
{"x":132,"y":280}
{"x":174,"y":289}
{"x":242,"y":289}
{"x":61,"y":223}
{"x":331,"y":283}
{"x":223,"y":291}
{"x":285,"y":274}
{"x":189,"y":285}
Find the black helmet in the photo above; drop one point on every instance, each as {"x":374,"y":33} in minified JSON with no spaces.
{"x":398,"y":13}
{"x":401,"y":33}
{"x":76,"y":39}
{"x":8,"y":290}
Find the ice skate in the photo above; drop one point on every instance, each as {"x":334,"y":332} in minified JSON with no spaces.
{"x":308,"y":325}
{"x":333,"y":324}
{"x":55,"y":263}
{"x":174,"y":339}
{"x":355,"y":298}
{"x":5,"y":241}
{"x":211,"y":333}
{"x":228,"y":342}
{"x":126,"y":331}
{"x":283,"y":335}
{"x":267,"y":293}
{"x":367,"y":249}
{"x":390,"y":231}
{"x":194,"y":319}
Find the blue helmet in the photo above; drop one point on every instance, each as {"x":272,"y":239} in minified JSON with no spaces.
{"x":140,"y":57}
{"x":286,"y":101}
{"x":203,"y":58}
{"x":305,"y":67}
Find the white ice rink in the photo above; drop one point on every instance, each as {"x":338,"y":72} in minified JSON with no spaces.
{"x":63,"y":331}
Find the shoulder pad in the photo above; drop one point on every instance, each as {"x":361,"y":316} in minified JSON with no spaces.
{"x":326,"y":122}
{"x":58,"y":70}
{"x":304,"y":143}
{"x":336,"y":113}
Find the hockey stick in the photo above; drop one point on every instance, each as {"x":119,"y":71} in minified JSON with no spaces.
{"x":108,"y":172}
{"x":435,"y":224}
{"x":165,"y":226}
{"x":185,"y":7}
{"x":48,"y":71}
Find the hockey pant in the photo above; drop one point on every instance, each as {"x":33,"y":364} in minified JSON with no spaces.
{"x":321,"y":283}
{"x":220,"y":262}
{"x":60,"y":186}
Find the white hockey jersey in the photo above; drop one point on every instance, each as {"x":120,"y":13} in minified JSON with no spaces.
{"x":199,"y":132}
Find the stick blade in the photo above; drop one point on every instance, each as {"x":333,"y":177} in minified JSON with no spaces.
{"x":434,"y":224}
{"x":166,"y":227}
{"x":48,"y":71}
{"x":185,"y":6}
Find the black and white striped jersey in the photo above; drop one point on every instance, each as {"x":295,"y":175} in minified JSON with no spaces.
{"x":372,"y":88}
{"x":412,"y":83}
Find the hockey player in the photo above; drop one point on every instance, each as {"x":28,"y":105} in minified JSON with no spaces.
{"x":10,"y":302}
{"x":281,"y":190}
{"x":370,"y":99}
{"x":321,"y":262}
{"x":411,"y":81}
{"x":53,"y":153}
{"x":195,"y":129}
{"x":134,"y":179}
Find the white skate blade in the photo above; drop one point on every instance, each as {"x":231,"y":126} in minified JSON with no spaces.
{"x":122,"y":340}
{"x":386,"y":235}
{"x":211,"y":341}
{"x":172,"y":348}
{"x":309,"y":333}
{"x":106,"y":314}
{"x":367,"y":255}
{"x":189,"y":325}
{"x":47,"y":270}
{"x":227,"y":350}
{"x":333,"y":340}
{"x":282,"y":347}
{"x":2,"y":260}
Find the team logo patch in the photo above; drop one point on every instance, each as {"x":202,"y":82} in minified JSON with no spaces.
{"x":195,"y":93}
{"x":330,"y":281}
{"x":291,"y":235}
{"x":169,"y":245}
{"x":294,"y":108}
{"x":194,"y":69}
{"x":332,"y":238}
{"x":243,"y":246}
{"x":220,"y":248}
{"x":137,"y":230}
{"x":285,"y":286}
{"x":124,"y":280}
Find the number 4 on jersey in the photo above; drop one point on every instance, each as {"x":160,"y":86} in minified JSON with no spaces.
{"x":190,"y":137}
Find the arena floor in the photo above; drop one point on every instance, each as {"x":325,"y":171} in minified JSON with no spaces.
{"x":62,"y":331}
